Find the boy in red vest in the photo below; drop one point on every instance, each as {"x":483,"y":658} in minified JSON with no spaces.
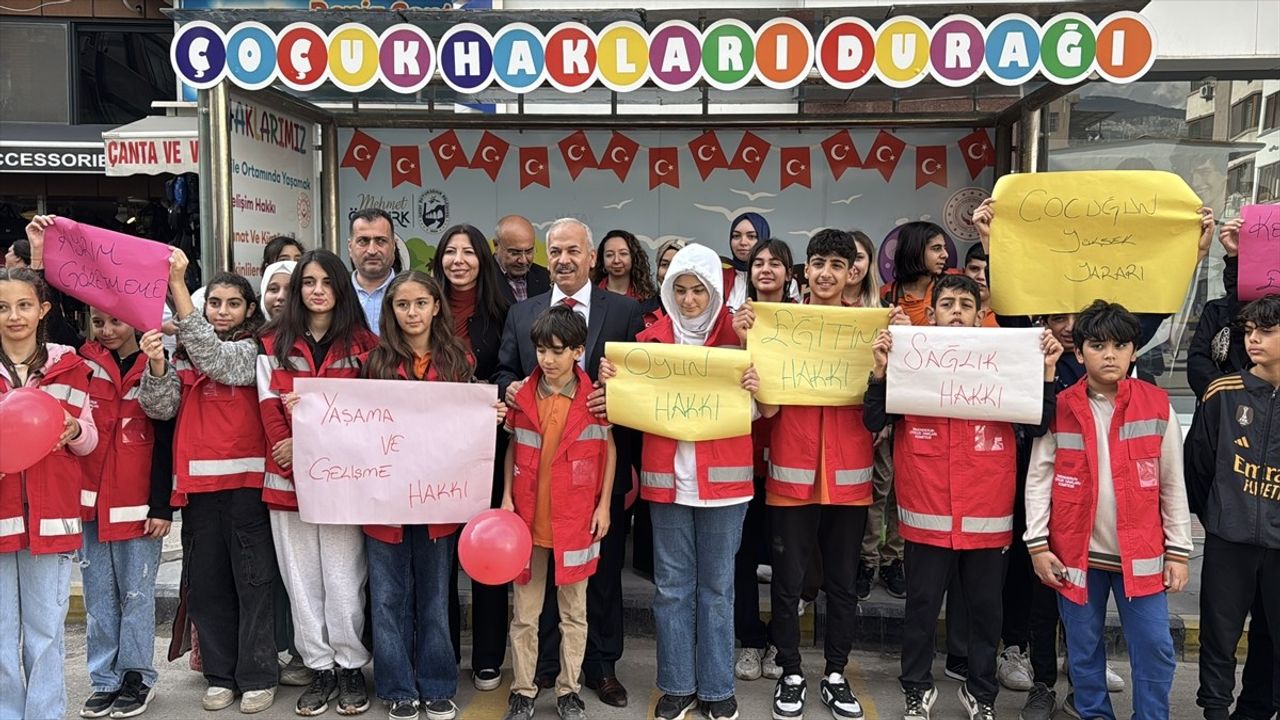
{"x":559,"y":479}
{"x":1115,"y":451}
{"x":956,"y":481}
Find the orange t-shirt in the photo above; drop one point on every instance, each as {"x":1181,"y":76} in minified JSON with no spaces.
{"x":421,"y":363}
{"x":553,"y":412}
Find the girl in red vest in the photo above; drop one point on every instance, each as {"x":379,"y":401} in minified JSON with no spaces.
{"x":40,"y":506}
{"x":219,"y":455}
{"x":919,"y":258}
{"x":698,"y":493}
{"x":320,"y":331}
{"x":410,"y":566}
{"x":125,"y":503}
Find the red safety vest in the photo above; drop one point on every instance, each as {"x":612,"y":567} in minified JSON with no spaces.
{"x":50,"y":489}
{"x":117,"y":474}
{"x":218,"y":443}
{"x":725,"y":467}
{"x":955,"y":481}
{"x":794,"y":447}
{"x":577,"y":477}
{"x":277,"y":483}
{"x":1137,"y":431}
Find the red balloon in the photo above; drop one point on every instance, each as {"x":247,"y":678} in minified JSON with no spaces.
{"x":31,"y":421}
{"x":495,"y":547}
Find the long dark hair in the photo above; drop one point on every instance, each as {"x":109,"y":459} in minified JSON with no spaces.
{"x":448,"y":355}
{"x":275,"y":246}
{"x":490,"y":301}
{"x":777,"y":249}
{"x":35,"y":366}
{"x":641,"y":277}
{"x":908,"y":256}
{"x":252,"y":320}
{"x":291,"y":322}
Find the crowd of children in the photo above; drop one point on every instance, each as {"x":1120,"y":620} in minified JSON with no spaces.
{"x":1019,"y":529}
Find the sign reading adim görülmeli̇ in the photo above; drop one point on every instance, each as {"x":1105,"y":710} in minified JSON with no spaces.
{"x":622,"y":56}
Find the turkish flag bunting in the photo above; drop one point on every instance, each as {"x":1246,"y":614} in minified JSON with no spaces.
{"x":793,"y":167}
{"x":448,"y":152}
{"x":931,"y":165}
{"x":534,"y":169}
{"x":708,"y":156}
{"x":619,"y":155}
{"x":749,"y":157}
{"x":489,"y":155}
{"x":576,"y":150}
{"x":841,"y":153}
{"x":405,"y":166}
{"x":664,"y":167}
{"x":977,"y":151}
{"x":884,"y":154}
{"x":361,"y":153}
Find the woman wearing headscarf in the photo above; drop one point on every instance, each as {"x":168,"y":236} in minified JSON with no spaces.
{"x":744,"y":232}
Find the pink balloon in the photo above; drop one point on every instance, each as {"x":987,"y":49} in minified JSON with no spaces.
{"x":30,"y":423}
{"x":495,"y":547}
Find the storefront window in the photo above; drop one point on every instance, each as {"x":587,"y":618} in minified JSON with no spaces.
{"x":33,"y":72}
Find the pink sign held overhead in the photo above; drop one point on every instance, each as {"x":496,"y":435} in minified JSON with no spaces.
{"x":119,"y":274}
{"x":1259,"y":251}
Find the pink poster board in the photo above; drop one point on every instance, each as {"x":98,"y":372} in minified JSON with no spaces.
{"x":1259,"y":251}
{"x":120,"y":274}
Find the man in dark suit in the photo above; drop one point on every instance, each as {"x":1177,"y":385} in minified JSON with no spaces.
{"x":610,"y":318}
{"x":514,"y":253}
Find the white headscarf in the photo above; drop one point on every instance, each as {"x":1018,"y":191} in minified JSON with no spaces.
{"x":703,"y":263}
{"x":275,"y":268}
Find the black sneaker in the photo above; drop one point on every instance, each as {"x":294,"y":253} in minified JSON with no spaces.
{"x":519,"y":707}
{"x":315,"y":699}
{"x":726,"y":709}
{"x":788,"y":698}
{"x":353,"y":697}
{"x":866,"y":574}
{"x":673,"y":707}
{"x":1069,"y":707}
{"x":571,"y":707}
{"x":440,"y":709}
{"x":957,"y":668}
{"x":134,"y":697}
{"x":838,"y":698}
{"x":894,"y":578}
{"x":403,"y":710}
{"x":1041,"y":703}
{"x":486,"y":679}
{"x":99,"y":704}
{"x":918,"y":703}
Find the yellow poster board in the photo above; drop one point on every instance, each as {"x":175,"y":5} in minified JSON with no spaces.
{"x":683,"y":392}
{"x":813,"y":354}
{"x":1060,"y":240}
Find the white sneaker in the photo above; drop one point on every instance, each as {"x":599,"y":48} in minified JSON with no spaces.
{"x":764,"y":574}
{"x":769,"y":666}
{"x":1115,"y":683}
{"x":919,"y":703}
{"x":216,"y":698}
{"x":804,"y":605}
{"x":1013,"y":668}
{"x":747,"y":666}
{"x":255,"y":701}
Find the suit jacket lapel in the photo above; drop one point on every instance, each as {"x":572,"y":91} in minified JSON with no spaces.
{"x":599,"y":308}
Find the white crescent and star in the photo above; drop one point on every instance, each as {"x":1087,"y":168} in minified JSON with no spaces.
{"x":578,"y":157}
{"x":484,"y":154}
{"x":657,"y":167}
{"x":535,"y":164}
{"x":880,"y":153}
{"x":795,"y":162}
{"x":839,"y":152}
{"x":358,"y":155}
{"x":613,"y":154}
{"x":400,"y":165}
{"x":753,"y":158}
{"x":443,"y":155}
{"x":924,"y":166}
{"x":982,"y":151}
{"x":702,"y":157}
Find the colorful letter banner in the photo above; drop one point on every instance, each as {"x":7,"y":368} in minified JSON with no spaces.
{"x":682,"y":392}
{"x":1259,"y":251}
{"x":358,"y":454}
{"x":122,"y":275}
{"x":972,"y":373}
{"x":1061,"y":240}
{"x":813,"y":354}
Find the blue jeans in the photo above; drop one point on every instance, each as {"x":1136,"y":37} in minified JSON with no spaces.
{"x":33,"y":609}
{"x":1145,"y":622}
{"x":409,"y":585}
{"x":693,"y":551}
{"x":120,"y":607}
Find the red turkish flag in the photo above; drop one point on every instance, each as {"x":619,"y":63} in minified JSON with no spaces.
{"x":664,"y":167}
{"x":750,"y":155}
{"x":708,"y":156}
{"x":576,"y":150}
{"x":793,"y":167}
{"x":884,"y":154}
{"x":931,"y":165}
{"x":405,"y":166}
{"x":448,"y":153}
{"x":977,"y":151}
{"x":361,"y":153}
{"x":534,"y":168}
{"x":489,"y":155}
{"x":841,"y":153}
{"x":619,"y":156}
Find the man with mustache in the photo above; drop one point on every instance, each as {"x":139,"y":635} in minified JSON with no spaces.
{"x":515,"y":247}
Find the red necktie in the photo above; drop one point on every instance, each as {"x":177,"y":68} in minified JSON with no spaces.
{"x":570,"y":303}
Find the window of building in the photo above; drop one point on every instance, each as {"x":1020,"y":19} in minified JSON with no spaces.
{"x":1201,"y":128}
{"x":122,"y":69}
{"x":1244,"y":114}
{"x":1269,"y":183}
{"x":1054,"y":120}
{"x":33,"y":72}
{"x":1240,"y":180}
{"x":1271,"y":115}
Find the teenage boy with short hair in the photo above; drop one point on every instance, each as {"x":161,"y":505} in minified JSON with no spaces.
{"x":1114,"y":452}
{"x":956,"y":485}
{"x":1233,"y":478}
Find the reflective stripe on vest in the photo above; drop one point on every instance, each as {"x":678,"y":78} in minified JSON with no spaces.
{"x":1148,"y":566}
{"x":1069,"y":440}
{"x":986,"y":524}
{"x":578,"y":558}
{"x":790,"y":475}
{"x":1077,"y":577}
{"x":349,"y":362}
{"x":1143,"y":428}
{"x":67,"y":393}
{"x":594,"y":432}
{"x":528,"y":438}
{"x":273,"y":481}
{"x":853,"y":477}
{"x":88,"y":498}
{"x":923,"y":521}
{"x":99,"y":373}
{"x":129,"y":513}
{"x":730,"y":474}
{"x":133,"y":392}
{"x":662,"y":481}
{"x":12,"y":526}
{"x":231,"y":466}
{"x":59,"y":526}
{"x":295,"y":363}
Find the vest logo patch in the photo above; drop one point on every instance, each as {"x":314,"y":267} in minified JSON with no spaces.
{"x":1067,"y":482}
{"x":984,"y":441}
{"x":1148,"y":473}
{"x":1244,"y":415}
{"x":923,"y":433}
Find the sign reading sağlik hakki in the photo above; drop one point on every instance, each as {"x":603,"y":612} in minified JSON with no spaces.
{"x":675,"y":55}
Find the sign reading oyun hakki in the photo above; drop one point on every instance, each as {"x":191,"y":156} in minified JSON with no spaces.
{"x":674,"y":56}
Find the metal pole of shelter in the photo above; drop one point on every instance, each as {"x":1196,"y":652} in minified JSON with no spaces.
{"x":332,"y":227}
{"x":1029,"y":140}
{"x":216,"y":232}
